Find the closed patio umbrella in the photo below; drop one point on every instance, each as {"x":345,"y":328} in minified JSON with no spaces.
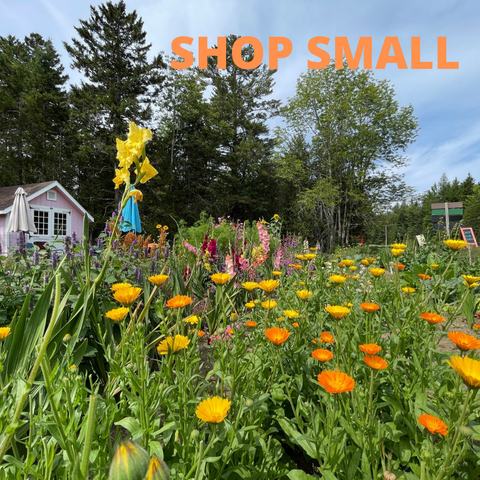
{"x":20,"y":217}
{"x":131,"y":217}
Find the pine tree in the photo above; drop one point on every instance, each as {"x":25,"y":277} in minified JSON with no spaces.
{"x":120,"y":84}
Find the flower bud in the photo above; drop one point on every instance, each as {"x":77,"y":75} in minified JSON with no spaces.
{"x":194,"y":434}
{"x":157,"y":470}
{"x":130,"y":462}
{"x":466,"y":431}
{"x":249,"y":402}
{"x":221,"y":330}
{"x":67,"y":338}
{"x":389,"y":476}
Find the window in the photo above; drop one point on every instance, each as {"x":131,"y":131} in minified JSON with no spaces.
{"x":59,"y":223}
{"x":52,"y":195}
{"x":40,"y":217}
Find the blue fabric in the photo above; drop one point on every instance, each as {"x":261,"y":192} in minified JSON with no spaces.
{"x":131,"y":217}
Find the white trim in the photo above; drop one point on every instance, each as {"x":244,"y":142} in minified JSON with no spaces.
{"x":51,"y":222}
{"x":49,"y":187}
{"x":51,"y":195}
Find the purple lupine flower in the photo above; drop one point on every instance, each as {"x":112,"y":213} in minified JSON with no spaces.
{"x":100,"y":242}
{"x":153,"y":266}
{"x":74,"y":238}
{"x":36,"y":258}
{"x":21,"y":244}
{"x":91,"y":252}
{"x":115,"y":244}
{"x":46,"y":278}
{"x":54,"y":260}
{"x":145,"y":252}
{"x":167,"y":251}
{"x":136,"y":254}
{"x":96,"y":263}
{"x":157,"y":255}
{"x":139,"y":274}
{"x":131,"y":249}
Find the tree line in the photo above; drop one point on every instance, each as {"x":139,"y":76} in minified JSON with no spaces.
{"x":327,"y":171}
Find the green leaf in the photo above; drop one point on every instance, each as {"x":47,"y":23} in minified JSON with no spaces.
{"x":299,"y":475}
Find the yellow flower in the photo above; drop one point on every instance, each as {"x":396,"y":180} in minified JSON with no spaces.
{"x":250,"y":286}
{"x":276,"y":217}
{"x":313,"y":249}
{"x":158,"y":279}
{"x":269,"y":304}
{"x":337,"y":312}
{"x":365,"y":262}
{"x":309,"y":256}
{"x":291,"y":314}
{"x":352,"y":268}
{"x":396,"y":252}
{"x":250,"y":305}
{"x":469,"y":279}
{"x":399,"y":246}
{"x":208,"y":267}
{"x":468,"y":368}
{"x":125,"y":156}
{"x":136,"y":194}
{"x":213,"y":410}
{"x":173,"y":344}
{"x":301,"y":257}
{"x":455,"y":244}
{"x":276,"y":273}
{"x":117,"y":314}
{"x":356,"y":277}
{"x":471,"y":285}
{"x":221,"y":278}
{"x":4,"y":333}
{"x":268,"y":285}
{"x":408,"y":290}
{"x":159,"y":226}
{"x":150,"y":171}
{"x":303,"y":294}
{"x":121,"y":176}
{"x":165,"y":227}
{"x":338,"y":279}
{"x":348,"y":262}
{"x":377,"y":272}
{"x":127,"y":296}
{"x":233,"y":315}
{"x":119,"y":286}
{"x":434,"y":266}
{"x":192,"y":320}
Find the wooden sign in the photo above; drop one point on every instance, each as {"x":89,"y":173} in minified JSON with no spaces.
{"x":421,"y":240}
{"x":469,"y":236}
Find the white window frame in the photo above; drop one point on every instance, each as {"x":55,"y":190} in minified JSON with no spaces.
{"x":51,"y":221}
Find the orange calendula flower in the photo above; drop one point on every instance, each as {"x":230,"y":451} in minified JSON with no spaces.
{"x":377,"y":363}
{"x":348,"y":262}
{"x":276,"y":273}
{"x":423,"y":276}
{"x":201,"y":333}
{"x":463,"y":341}
{"x":469,"y":279}
{"x":291,"y":314}
{"x":338,"y":279}
{"x":221,"y":278}
{"x":455,"y":244}
{"x":118,"y":286}
{"x":396,"y":252}
{"x":277,"y":335}
{"x":213,"y":410}
{"x":432,"y":318}
{"x":432,"y":424}
{"x":377,"y":272}
{"x":250,"y":286}
{"x":476,"y":326}
{"x":399,"y":246}
{"x":326,"y":337}
{"x":336,"y":382}
{"x":468,"y":368}
{"x":400,"y":266}
{"x":295,"y":324}
{"x":4,"y":333}
{"x":158,"y":279}
{"x":269,"y":304}
{"x":297,"y":267}
{"x":268,"y":285}
{"x":127,"y":296}
{"x":408,"y":290}
{"x":304,"y":294}
{"x":369,"y":307}
{"x":337,"y":312}
{"x":250,"y":324}
{"x":322,"y":355}
{"x":117,"y":314}
{"x":370,"y":348}
{"x":173,"y":344}
{"x":179,"y":301}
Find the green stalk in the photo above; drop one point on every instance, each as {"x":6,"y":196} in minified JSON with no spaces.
{"x":89,"y":436}
{"x":14,"y":424}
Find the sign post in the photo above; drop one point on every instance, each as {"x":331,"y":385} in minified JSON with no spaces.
{"x":469,"y":236}
{"x":451,"y":212}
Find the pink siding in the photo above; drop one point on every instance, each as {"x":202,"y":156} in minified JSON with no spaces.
{"x":2,"y":233}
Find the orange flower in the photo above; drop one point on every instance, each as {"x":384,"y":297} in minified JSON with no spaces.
{"x":269,"y":285}
{"x":476,"y":326}
{"x":433,"y":424}
{"x":179,"y":301}
{"x":158,"y":279}
{"x":337,"y":312}
{"x":432,"y":318}
{"x":326,"y":337}
{"x":250,"y":324}
{"x":335,"y":382}
{"x":200,"y":333}
{"x":297,"y":267}
{"x":378,"y":363}
{"x":277,"y":335}
{"x":119,"y":286}
{"x":468,"y":368}
{"x":463,"y":341}
{"x":370,"y":348}
{"x":400,"y":266}
{"x":127,"y":296}
{"x":322,"y":355}
{"x":369,"y":307}
{"x":221,"y":278}
{"x":424,"y":277}
{"x":296,"y":325}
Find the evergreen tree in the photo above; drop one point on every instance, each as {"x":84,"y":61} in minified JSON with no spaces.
{"x":120,"y":83}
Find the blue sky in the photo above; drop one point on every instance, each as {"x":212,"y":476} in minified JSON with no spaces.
{"x":447,"y":102}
